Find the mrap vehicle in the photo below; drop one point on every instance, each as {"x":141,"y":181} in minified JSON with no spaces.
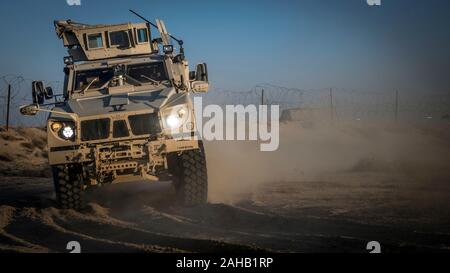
{"x":125,"y":113}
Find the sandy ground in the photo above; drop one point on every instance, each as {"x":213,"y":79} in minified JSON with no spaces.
{"x":327,"y":189}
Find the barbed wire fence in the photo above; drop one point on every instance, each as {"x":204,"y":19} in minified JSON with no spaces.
{"x":340,"y":104}
{"x":311,"y":105}
{"x":20,"y":88}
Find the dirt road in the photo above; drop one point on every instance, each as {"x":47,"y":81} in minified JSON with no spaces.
{"x":139,"y":217}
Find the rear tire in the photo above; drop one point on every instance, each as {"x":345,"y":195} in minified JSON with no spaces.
{"x":69,"y":186}
{"x":191,"y":177}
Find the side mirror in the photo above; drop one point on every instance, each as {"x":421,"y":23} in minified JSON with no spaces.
{"x":29,"y":110}
{"x":38,"y":92}
{"x":199,"y":87}
{"x":48,"y":93}
{"x":202,"y":73}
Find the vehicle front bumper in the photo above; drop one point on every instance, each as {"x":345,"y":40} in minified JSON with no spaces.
{"x":141,"y":156}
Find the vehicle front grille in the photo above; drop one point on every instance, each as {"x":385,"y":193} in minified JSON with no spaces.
{"x":145,"y":124}
{"x":141,"y":125}
{"x":97,"y":129}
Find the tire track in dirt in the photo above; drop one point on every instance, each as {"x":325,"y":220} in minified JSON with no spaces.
{"x":282,"y":233}
{"x":235,"y":225}
{"x":50,"y":229}
{"x":147,"y":221}
{"x":102,"y":225}
{"x":36,"y":230}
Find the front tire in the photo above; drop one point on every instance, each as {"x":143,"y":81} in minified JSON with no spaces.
{"x":69,"y":186}
{"x":191,"y":177}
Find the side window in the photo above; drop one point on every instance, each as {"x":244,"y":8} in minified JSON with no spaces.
{"x":95,"y":41}
{"x":142,"y":35}
{"x":119,"y":38}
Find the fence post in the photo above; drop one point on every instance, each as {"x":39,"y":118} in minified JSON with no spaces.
{"x":331,"y":105}
{"x":396,"y":105}
{"x":262,"y":97}
{"x":7,"y":107}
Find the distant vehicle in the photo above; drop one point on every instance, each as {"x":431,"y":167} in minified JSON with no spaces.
{"x":126,"y":113}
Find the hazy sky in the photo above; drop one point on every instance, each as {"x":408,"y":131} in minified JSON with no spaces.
{"x":403,"y":44}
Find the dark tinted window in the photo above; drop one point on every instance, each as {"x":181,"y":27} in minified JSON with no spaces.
{"x":95,"y":129}
{"x":147,"y":124}
{"x":120,"y":129}
{"x":142,"y":72}
{"x":119,"y":38}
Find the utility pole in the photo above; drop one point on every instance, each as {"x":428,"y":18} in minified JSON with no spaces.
{"x":262,"y":97}
{"x":331,"y":105}
{"x":396,"y":105}
{"x":7,"y":108}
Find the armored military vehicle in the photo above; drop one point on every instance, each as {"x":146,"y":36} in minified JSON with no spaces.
{"x":125,"y":113}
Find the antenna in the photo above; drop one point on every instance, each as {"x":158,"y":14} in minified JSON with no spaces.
{"x":162,"y":29}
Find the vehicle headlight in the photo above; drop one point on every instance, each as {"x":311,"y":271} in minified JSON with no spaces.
{"x":56,"y":126}
{"x":63,"y":129}
{"x":174,"y":121}
{"x":68,"y":132}
{"x":176,"y":118}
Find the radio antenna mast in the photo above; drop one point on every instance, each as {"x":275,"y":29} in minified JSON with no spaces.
{"x":179,"y":41}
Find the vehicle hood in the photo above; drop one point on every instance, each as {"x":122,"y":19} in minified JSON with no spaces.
{"x":134,"y":101}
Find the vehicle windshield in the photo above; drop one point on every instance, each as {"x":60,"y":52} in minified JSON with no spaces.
{"x":94,"y":78}
{"x":153,"y":73}
{"x":148,"y":72}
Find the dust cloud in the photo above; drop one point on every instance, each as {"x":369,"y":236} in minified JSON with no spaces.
{"x":309,"y":151}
